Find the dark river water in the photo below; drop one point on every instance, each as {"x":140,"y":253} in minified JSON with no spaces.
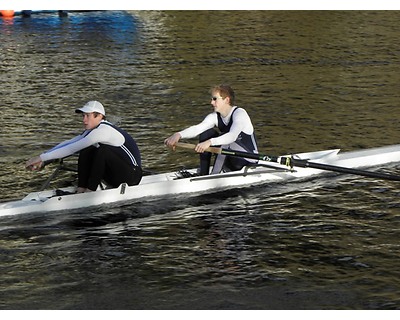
{"x":309,"y":80}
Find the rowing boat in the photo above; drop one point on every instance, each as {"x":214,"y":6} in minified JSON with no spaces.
{"x":268,"y":170}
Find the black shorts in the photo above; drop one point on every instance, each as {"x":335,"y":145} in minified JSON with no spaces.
{"x":103,"y":163}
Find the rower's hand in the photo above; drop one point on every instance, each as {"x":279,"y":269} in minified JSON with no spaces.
{"x":203,"y":146}
{"x":34,"y":163}
{"x":172,"y":140}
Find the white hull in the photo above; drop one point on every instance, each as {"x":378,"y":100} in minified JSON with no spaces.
{"x":167,"y":184}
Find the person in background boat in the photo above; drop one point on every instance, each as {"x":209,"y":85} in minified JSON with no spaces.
{"x":106,"y":152}
{"x":228,"y":126}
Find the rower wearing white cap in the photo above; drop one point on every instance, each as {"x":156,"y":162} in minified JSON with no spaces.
{"x":106,"y":152}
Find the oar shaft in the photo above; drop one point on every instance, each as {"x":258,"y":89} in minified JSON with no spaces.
{"x":322,"y":166}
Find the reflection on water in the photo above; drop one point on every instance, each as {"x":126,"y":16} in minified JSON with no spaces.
{"x":310,"y":80}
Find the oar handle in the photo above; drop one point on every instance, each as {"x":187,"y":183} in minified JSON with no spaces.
{"x":193,"y":146}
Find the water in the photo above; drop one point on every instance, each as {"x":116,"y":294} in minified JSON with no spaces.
{"x":309,"y":80}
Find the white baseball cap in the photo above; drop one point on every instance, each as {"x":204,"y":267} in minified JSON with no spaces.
{"x":92,"y":106}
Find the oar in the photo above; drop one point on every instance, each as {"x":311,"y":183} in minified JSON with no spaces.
{"x":291,"y":162}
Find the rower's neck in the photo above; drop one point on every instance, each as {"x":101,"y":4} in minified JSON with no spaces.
{"x":226,"y":111}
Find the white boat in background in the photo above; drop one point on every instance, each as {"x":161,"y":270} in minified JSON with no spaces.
{"x":269,"y":170}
